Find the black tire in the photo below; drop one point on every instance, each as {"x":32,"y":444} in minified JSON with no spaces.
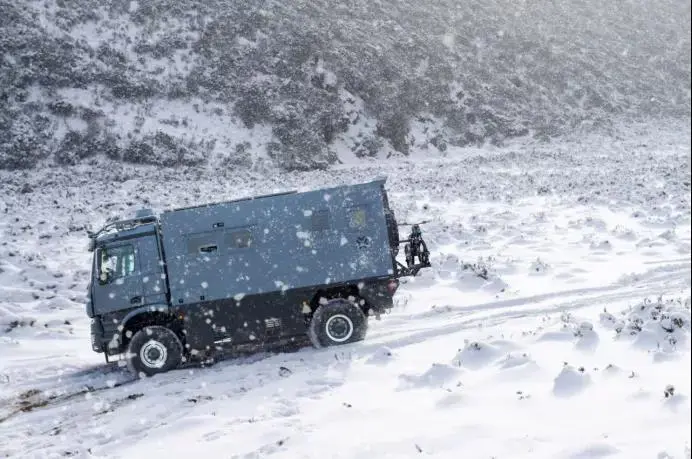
{"x":337,"y":322}
{"x":152,"y":350}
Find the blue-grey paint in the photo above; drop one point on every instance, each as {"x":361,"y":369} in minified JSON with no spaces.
{"x":245,"y":261}
{"x":285,"y":253}
{"x":145,"y":286}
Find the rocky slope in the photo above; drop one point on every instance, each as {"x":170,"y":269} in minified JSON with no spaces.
{"x":299,"y":84}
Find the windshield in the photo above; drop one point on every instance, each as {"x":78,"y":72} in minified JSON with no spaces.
{"x":115,"y":262}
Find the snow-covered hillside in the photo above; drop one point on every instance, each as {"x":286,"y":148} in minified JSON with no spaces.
{"x":297,"y":83}
{"x":555,"y":322}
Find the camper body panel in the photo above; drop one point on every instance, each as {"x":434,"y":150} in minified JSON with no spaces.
{"x":243,"y":271}
{"x":279,"y":243}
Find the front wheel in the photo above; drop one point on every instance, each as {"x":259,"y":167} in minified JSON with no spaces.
{"x":337,"y":322}
{"x":154,"y":349}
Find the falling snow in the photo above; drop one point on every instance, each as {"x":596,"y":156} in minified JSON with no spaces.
{"x":590,"y":352}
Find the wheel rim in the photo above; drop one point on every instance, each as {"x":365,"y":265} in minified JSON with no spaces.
{"x":339,"y":328}
{"x":153,"y":354}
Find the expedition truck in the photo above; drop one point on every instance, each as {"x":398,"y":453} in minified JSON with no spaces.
{"x":192,"y":281}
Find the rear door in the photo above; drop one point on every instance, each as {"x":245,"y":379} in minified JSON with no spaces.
{"x":392,"y":226}
{"x":360,"y":233}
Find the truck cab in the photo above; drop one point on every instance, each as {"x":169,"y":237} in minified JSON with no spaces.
{"x":128,"y":279}
{"x":185,"y":284}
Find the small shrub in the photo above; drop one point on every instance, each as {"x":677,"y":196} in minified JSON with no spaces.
{"x":241,"y":156}
{"x":23,"y":141}
{"x":395,"y":128}
{"x":369,"y":147}
{"x":61,"y":108}
{"x":481,"y":268}
{"x":163,"y":150}
{"x":139,"y":152}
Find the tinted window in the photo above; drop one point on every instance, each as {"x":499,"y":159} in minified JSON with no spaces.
{"x":239,"y":239}
{"x":116,"y":262}
{"x":320,"y":220}
{"x":202,"y":243}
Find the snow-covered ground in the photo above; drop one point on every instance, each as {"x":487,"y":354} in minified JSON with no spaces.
{"x":555,"y":322}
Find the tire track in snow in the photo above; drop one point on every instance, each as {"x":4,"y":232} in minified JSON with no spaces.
{"x":465,"y":317}
{"x":233,"y":381}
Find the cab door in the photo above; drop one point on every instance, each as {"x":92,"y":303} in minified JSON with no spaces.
{"x":118,"y":282}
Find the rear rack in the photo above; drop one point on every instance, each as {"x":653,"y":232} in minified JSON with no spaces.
{"x":415,"y":248}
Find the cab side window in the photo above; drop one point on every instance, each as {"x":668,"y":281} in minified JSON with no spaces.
{"x":202,"y":244}
{"x":116,"y":262}
{"x":239,"y":239}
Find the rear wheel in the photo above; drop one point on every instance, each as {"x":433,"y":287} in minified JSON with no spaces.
{"x":337,"y":322}
{"x":154,"y":349}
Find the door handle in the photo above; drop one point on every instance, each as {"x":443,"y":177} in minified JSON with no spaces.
{"x":135,"y":300}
